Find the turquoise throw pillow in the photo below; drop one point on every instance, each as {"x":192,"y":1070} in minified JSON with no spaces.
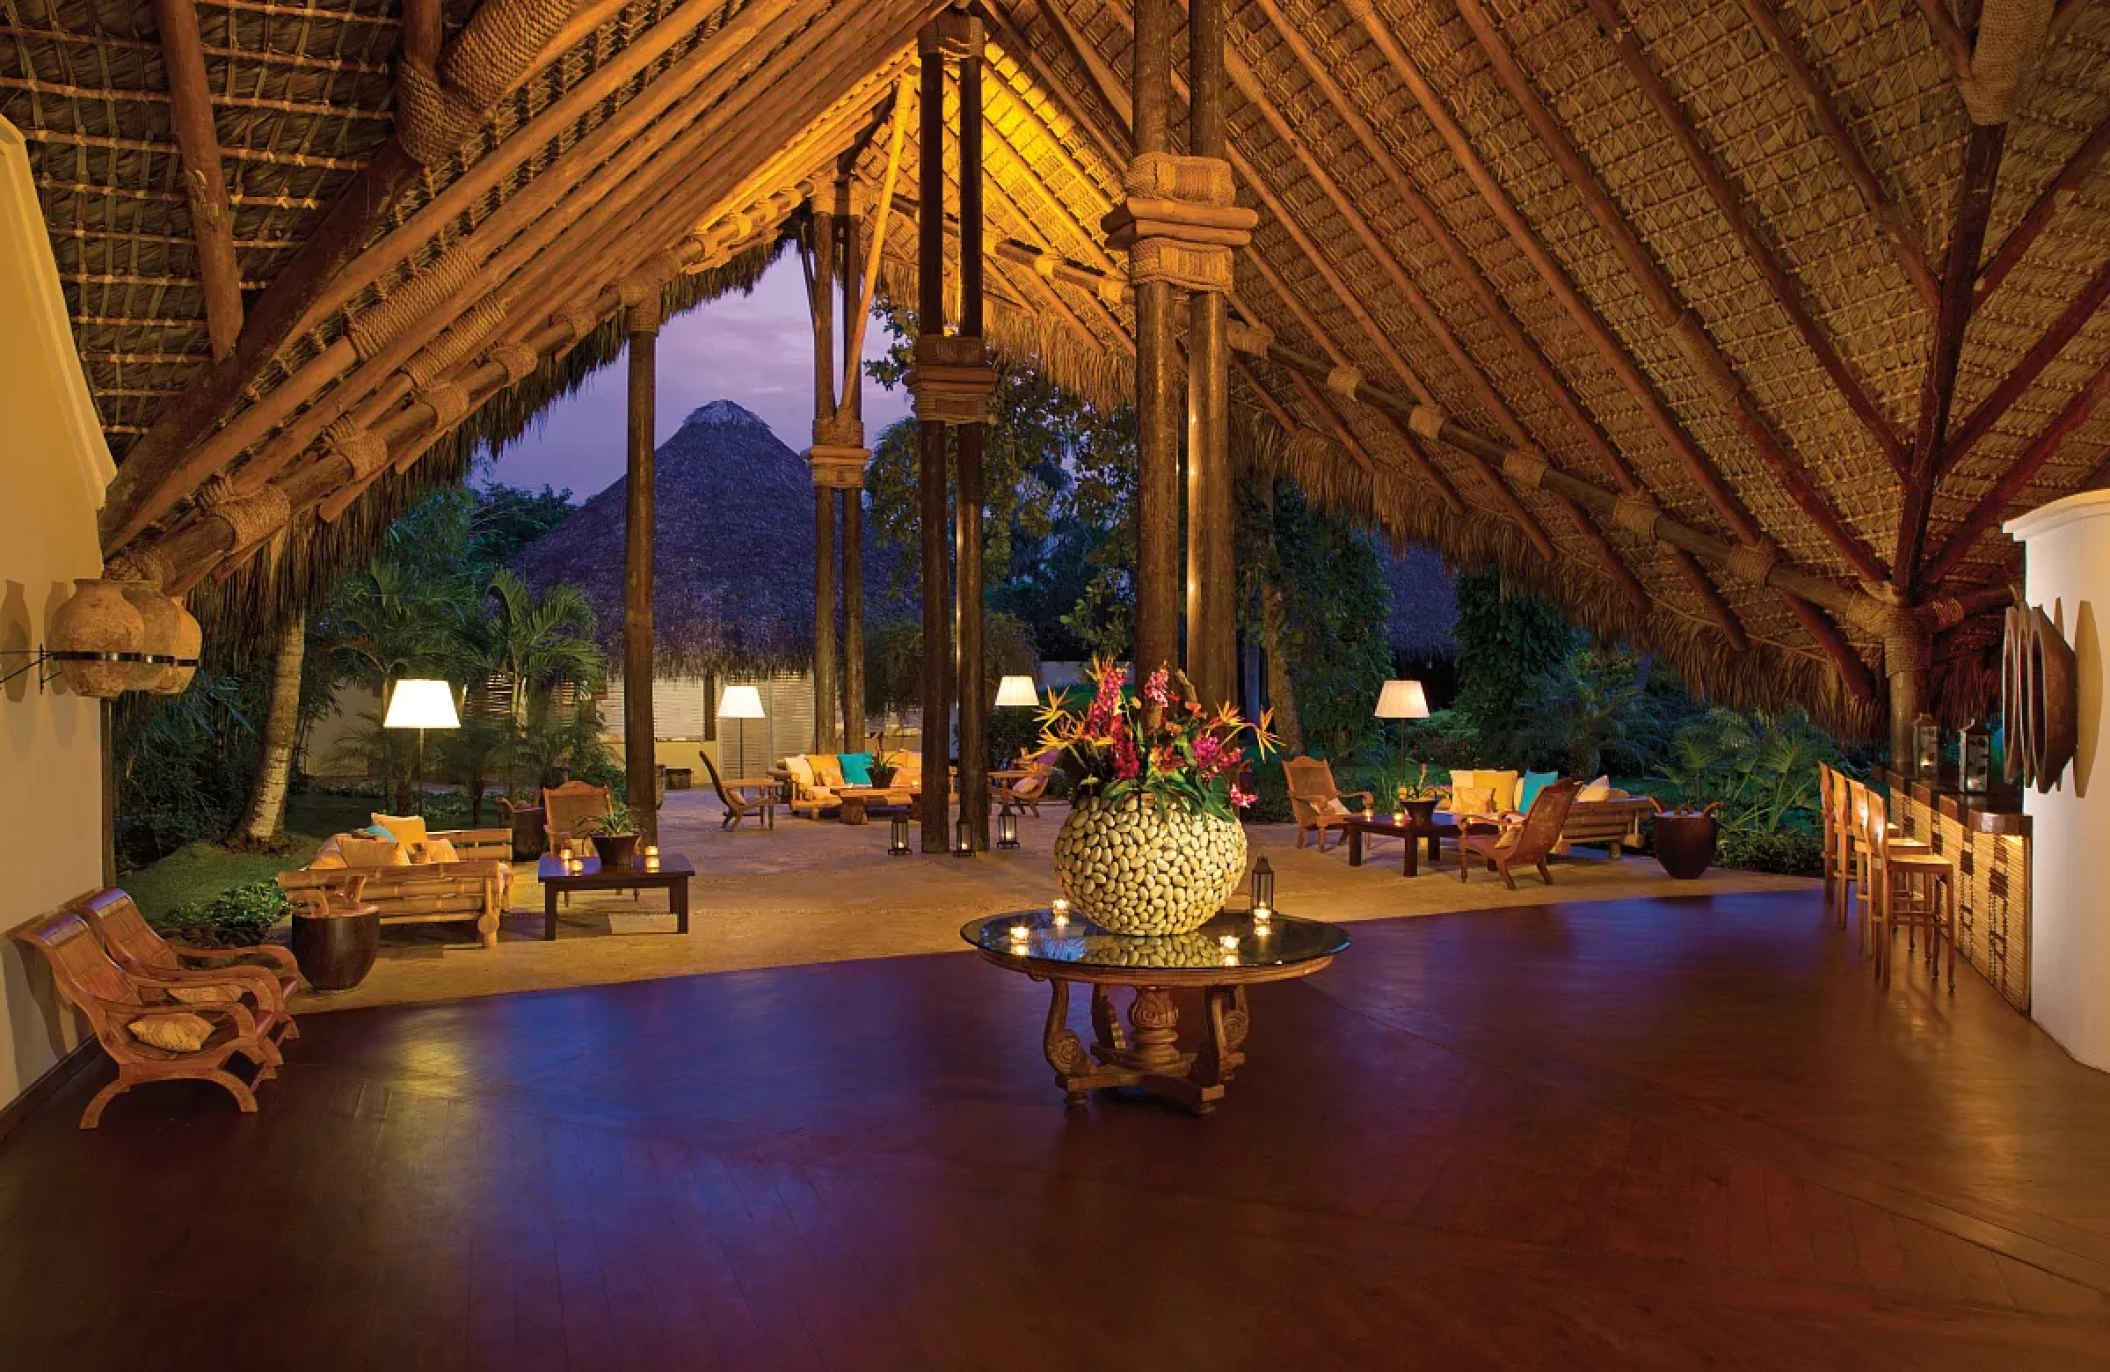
{"x":1533,"y":783}
{"x":857,"y":768}
{"x":376,"y":831}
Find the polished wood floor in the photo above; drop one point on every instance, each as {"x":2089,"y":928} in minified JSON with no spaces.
{"x":1658,"y":1134}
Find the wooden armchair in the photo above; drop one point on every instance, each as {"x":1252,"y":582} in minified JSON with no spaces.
{"x":1025,"y":792}
{"x":1508,"y":841}
{"x":120,"y":1005}
{"x":1314,"y":799}
{"x":267,"y":972}
{"x":565,"y":808}
{"x":743,"y":797}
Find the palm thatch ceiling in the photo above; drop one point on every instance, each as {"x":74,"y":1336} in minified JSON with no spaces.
{"x":1731,"y":325}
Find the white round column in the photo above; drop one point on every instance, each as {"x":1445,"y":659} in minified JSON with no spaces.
{"x":2068,"y":575}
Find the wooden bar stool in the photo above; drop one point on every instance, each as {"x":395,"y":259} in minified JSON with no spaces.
{"x":1835,"y":800}
{"x":1912,"y":886}
{"x":1866,"y":814}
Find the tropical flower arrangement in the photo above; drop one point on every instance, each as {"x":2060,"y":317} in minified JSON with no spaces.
{"x":1163,"y":743}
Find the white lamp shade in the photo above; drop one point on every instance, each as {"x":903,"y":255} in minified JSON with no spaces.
{"x":1017,"y":690}
{"x":1402,"y":700}
{"x":740,"y":702}
{"x":417,"y":703}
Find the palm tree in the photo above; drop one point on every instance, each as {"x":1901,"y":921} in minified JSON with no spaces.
{"x":393,"y":622}
{"x":263,"y":824}
{"x":537,"y":643}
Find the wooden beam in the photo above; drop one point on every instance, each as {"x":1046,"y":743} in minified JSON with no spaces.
{"x":1974,"y":206}
{"x":204,"y":180}
{"x":1897,"y":227}
{"x":1948,"y":36}
{"x":1993,"y":504}
{"x":2062,"y":16}
{"x":1671,"y":313}
{"x":2064,"y":187}
{"x":1729,"y":203}
{"x":1995,"y":406}
{"x":853,"y":349}
{"x":422,"y":33}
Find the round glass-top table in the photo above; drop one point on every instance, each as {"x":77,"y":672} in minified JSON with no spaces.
{"x":1222,"y":958}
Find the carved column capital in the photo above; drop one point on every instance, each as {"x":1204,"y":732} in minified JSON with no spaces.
{"x":951,"y":379}
{"x":1180,"y":222}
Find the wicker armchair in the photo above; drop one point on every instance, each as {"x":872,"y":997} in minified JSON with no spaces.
{"x":1509,"y":841}
{"x":565,"y":808}
{"x":114,"y":1001}
{"x":1314,"y":799}
{"x":266,"y":972}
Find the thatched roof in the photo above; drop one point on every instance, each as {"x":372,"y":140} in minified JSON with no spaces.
{"x":732,"y":553}
{"x":1658,"y":289}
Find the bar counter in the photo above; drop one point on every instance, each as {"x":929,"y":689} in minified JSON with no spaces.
{"x":1988,"y":837}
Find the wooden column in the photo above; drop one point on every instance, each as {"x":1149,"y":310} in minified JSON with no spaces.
{"x":1157,"y":396}
{"x":930,"y":432}
{"x":967,"y":485}
{"x":642,"y":326}
{"x":820,"y":296}
{"x":1212,"y":630}
{"x":851,"y":411}
{"x":204,"y":181}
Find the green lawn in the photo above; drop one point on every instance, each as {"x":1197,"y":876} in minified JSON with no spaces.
{"x":203,"y":870}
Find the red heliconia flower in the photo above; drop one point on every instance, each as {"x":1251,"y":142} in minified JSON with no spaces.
{"x":1241,"y":798}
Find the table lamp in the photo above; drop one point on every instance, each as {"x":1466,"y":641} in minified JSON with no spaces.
{"x":1016,"y":690}
{"x":742,"y":703}
{"x":1402,"y":700}
{"x":421,"y":704}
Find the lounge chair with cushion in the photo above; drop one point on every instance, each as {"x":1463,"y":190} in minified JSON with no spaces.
{"x":1026,"y":792}
{"x":1315,"y":801}
{"x":1512,"y":840}
{"x":267,"y":970}
{"x":156,"y":1028}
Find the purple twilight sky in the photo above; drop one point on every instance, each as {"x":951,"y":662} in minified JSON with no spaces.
{"x":754,"y":349}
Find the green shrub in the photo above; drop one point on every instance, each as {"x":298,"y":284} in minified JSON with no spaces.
{"x":1788,"y":852}
{"x":237,"y":918}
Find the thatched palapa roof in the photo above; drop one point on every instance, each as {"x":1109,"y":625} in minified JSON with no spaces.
{"x":1734,"y":326}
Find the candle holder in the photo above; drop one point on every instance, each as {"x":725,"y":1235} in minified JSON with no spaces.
{"x":1059,"y":913}
{"x":1006,"y":830}
{"x":1975,"y":759}
{"x":897,"y":836}
{"x":1229,"y":942}
{"x":1263,"y":885}
{"x":962,"y":839}
{"x":1926,"y":748}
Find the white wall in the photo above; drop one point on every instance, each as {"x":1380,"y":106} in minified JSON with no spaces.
{"x":2068,"y":575}
{"x":53,"y":468}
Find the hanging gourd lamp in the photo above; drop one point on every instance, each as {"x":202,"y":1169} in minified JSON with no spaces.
{"x":96,"y":637}
{"x":189,"y":643}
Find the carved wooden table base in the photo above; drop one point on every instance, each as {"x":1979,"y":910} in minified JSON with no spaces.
{"x":1151,"y":1059}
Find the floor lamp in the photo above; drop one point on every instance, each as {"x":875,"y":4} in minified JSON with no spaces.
{"x":1402,"y":700}
{"x":421,"y":704}
{"x":742,"y":703}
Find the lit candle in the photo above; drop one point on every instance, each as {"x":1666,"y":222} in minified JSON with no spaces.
{"x":1061,"y":920}
{"x":1019,"y":933}
{"x":1062,"y":907}
{"x":1230,"y":943}
{"x":652,"y":862}
{"x":1261,"y":914}
{"x":1399,"y":817}
{"x":652,"y":850}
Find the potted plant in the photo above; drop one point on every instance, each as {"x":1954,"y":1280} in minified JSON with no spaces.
{"x":1416,"y":797}
{"x":884,"y":765}
{"x":614,"y":834}
{"x":1152,"y":844}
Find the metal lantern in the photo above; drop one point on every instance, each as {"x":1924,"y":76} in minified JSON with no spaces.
{"x":1007,"y":830}
{"x":1975,"y":758}
{"x":962,"y":839}
{"x":897,"y":836}
{"x":1263,"y":885}
{"x":1926,"y":748}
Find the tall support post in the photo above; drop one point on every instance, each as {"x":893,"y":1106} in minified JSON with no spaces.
{"x":641,"y":324}
{"x":820,"y":299}
{"x":1212,"y":629}
{"x":951,"y":382}
{"x":1179,"y":223}
{"x":967,"y":482}
{"x":851,"y":412}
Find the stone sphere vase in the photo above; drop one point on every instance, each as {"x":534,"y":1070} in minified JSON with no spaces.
{"x":1135,"y":866}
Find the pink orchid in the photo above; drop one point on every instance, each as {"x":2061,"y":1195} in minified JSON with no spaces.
{"x":1158,"y":689}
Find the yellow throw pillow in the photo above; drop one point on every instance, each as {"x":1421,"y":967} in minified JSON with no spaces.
{"x":1461,"y":787}
{"x":908,"y":769}
{"x":1600,"y":789}
{"x":205,"y":995}
{"x":1501,"y":785}
{"x":438,"y":850}
{"x":172,"y":1033}
{"x":372,"y":852}
{"x":408,"y":830}
{"x":327,"y":861}
{"x":801,"y":770}
{"x":1478,"y":801}
{"x":827,"y":770}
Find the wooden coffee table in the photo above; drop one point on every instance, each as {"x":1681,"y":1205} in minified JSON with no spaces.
{"x":672,"y":875}
{"x":858,"y":800}
{"x":1438,"y":827}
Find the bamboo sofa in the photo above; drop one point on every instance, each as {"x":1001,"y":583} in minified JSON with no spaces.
{"x":814,"y":780}
{"x":161,"y":1028}
{"x":473,"y":888}
{"x":1611,"y":819}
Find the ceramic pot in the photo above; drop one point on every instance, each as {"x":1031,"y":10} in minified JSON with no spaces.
{"x":335,"y":952}
{"x":162,"y":621}
{"x":97,"y":618}
{"x":1135,"y":867}
{"x":1685,"y":840}
{"x":1422,"y":812}
{"x":615,"y":850}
